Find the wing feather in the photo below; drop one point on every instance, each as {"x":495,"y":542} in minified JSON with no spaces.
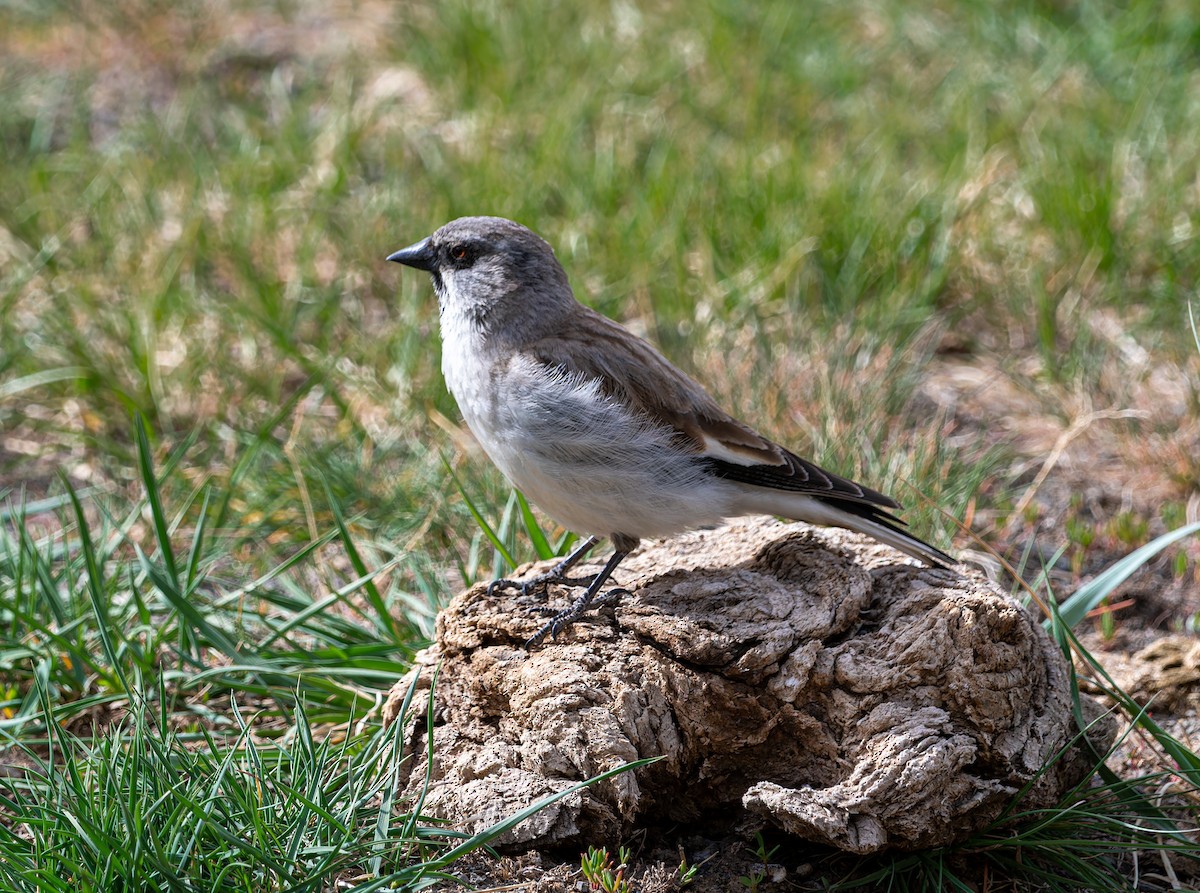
{"x":632,"y":371}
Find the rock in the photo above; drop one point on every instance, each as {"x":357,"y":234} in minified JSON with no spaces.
{"x":1164,"y":676}
{"x":811,"y":677}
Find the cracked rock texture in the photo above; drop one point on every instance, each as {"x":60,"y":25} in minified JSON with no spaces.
{"x":809,"y":677}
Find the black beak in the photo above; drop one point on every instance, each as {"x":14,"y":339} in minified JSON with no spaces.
{"x":420,"y":256}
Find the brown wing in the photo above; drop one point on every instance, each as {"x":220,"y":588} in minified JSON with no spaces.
{"x":631,"y":370}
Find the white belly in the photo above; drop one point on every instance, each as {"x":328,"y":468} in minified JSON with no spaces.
{"x":589,"y":463}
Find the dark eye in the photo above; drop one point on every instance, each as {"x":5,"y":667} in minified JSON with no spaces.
{"x":458,"y":252}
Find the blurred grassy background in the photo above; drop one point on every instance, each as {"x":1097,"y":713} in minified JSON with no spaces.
{"x":948,"y":244}
{"x":804,"y":204}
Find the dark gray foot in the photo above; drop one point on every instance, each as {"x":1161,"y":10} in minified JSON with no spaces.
{"x":610,"y":599}
{"x":563,"y":619}
{"x":533,"y":584}
{"x":556,"y":574}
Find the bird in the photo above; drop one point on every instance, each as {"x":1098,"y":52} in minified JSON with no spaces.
{"x":596,"y":427}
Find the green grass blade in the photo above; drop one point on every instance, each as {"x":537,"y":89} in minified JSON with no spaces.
{"x":487,"y":529}
{"x":26,"y":509}
{"x":1090,"y":594}
{"x":193,"y":561}
{"x":154,"y":498}
{"x":33,"y":380}
{"x":540,"y":544}
{"x":95,"y":590}
{"x":383,"y":824}
{"x":43,"y":579}
{"x":430,"y":712}
{"x":197,"y":623}
{"x":382,"y":618}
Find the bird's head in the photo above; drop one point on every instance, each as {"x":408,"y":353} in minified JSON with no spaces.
{"x":489,"y":269}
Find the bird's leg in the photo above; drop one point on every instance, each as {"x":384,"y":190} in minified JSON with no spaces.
{"x":556,"y":574}
{"x":566,"y":617}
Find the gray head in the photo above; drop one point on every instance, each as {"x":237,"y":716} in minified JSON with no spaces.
{"x":490,"y":270}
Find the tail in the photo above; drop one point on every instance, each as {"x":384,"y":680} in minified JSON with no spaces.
{"x":862,"y":517}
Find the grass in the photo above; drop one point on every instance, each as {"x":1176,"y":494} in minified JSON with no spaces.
{"x":167,"y":732}
{"x":161,"y":731}
{"x":95,"y":605}
{"x":812,"y":207}
{"x":144,"y":805}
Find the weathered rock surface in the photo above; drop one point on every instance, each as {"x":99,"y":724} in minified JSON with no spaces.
{"x":1164,"y":676}
{"x":809,"y":676}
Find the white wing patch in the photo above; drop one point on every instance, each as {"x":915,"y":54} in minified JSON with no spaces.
{"x":717,"y":449}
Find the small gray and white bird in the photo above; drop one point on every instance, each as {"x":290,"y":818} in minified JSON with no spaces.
{"x":595,"y":426}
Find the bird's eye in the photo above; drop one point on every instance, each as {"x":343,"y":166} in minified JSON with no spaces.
{"x":459,"y":252}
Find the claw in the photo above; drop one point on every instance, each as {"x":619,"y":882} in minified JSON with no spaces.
{"x":525,"y":587}
{"x":555,"y":625}
{"x":575,"y":610}
{"x":560,"y":620}
{"x":541,"y":581}
{"x":556,"y":574}
{"x":610,"y":598}
{"x":498,"y":585}
{"x":551,"y":629}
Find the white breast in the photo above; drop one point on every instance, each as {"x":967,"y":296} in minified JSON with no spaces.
{"x":587,"y":461}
